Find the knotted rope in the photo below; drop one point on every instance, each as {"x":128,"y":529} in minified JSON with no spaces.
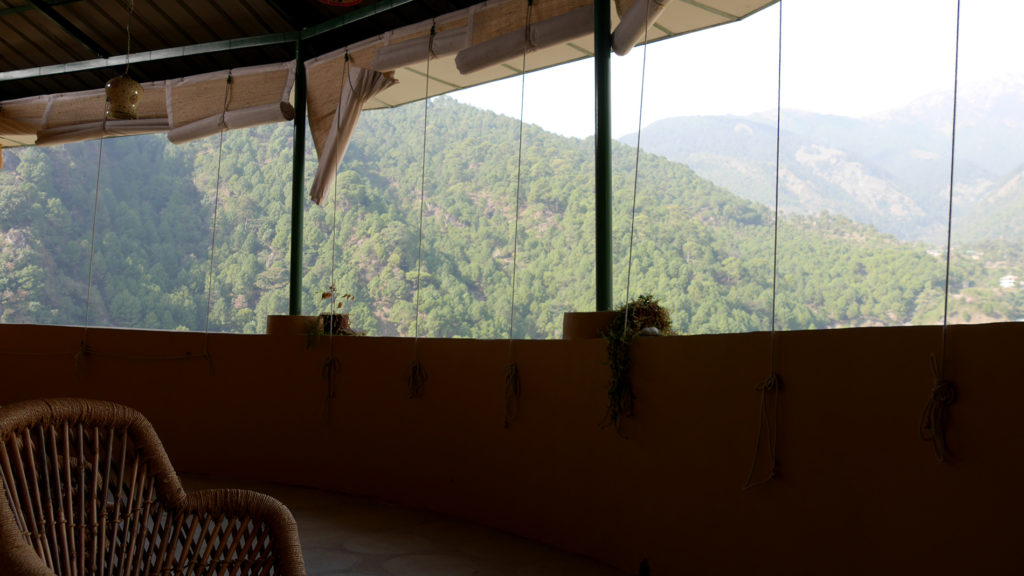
{"x":933,"y":418}
{"x":513,"y":392}
{"x":417,"y":379}
{"x":417,"y":375}
{"x":769,"y":387}
{"x":772,"y":385}
{"x":513,"y":387}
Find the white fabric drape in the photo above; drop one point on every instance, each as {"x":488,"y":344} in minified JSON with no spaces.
{"x":640,"y":16}
{"x":358,"y":86}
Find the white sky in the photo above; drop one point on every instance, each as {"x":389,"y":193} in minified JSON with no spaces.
{"x":839,"y":57}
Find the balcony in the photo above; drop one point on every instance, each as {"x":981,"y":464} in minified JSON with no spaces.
{"x":857,"y":489}
{"x":705,"y":478}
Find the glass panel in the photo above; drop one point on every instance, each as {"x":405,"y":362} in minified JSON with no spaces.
{"x":988,"y":206}
{"x":866,"y":92}
{"x":155,"y":209}
{"x":702,"y":238}
{"x":46,"y":208}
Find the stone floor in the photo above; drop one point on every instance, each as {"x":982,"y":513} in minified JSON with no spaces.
{"x":346,"y":535}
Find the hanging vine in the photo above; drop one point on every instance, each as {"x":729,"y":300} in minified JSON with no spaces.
{"x":643,"y":316}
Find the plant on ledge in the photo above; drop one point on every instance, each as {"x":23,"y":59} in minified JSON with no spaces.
{"x":643,"y":316}
{"x":333,"y":321}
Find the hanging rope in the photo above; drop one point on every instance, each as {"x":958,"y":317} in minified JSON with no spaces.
{"x":417,"y":375}
{"x":332,"y":365}
{"x":513,"y":387}
{"x":213,"y":231}
{"x":83,"y":346}
{"x":943,"y":394}
{"x":87,"y":351}
{"x":128,"y":30}
{"x":636,"y":175}
{"x":620,"y":391}
{"x":770,"y":388}
{"x":933,"y":418}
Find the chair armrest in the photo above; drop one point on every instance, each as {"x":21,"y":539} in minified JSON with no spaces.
{"x":239,"y":528}
{"x":17,"y":558}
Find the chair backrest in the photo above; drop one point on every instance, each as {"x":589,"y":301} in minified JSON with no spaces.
{"x":83,"y":482}
{"x":86,"y":489}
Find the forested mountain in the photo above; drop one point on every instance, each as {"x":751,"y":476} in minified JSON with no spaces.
{"x":889,"y":170}
{"x":998,"y":214}
{"x":704,"y":252}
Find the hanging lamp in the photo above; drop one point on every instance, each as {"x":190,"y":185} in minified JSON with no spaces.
{"x":123,"y":92}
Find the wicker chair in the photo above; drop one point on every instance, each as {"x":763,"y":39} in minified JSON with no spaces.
{"x":87,"y":490}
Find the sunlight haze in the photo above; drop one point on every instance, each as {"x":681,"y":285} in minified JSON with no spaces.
{"x":841,"y":58}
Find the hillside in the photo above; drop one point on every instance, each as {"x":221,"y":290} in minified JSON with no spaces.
{"x":996,"y":215}
{"x":890,"y":170}
{"x":703,"y":251}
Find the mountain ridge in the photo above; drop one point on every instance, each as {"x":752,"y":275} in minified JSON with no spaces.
{"x":891,"y":170}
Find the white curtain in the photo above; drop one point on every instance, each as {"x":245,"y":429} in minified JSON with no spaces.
{"x":640,"y":16}
{"x":358,"y":86}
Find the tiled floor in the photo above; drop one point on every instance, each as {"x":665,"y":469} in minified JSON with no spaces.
{"x":345,"y":535}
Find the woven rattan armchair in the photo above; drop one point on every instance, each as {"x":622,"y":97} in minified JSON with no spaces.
{"x":88,"y":490}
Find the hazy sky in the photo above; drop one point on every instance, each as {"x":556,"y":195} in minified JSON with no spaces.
{"x":838,"y":57}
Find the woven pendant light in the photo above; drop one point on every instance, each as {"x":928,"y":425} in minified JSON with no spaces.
{"x":123,"y":95}
{"x":123,"y":92}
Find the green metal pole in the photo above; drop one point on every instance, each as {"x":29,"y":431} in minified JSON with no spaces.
{"x":603,"y":152}
{"x":298,"y":184}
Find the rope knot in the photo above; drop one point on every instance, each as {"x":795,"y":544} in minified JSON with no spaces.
{"x":417,"y":380}
{"x":933,"y":418}
{"x":944,"y":392}
{"x":770,"y":384}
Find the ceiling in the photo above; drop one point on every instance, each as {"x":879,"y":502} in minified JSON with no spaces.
{"x":56,"y":55}
{"x":53,"y":46}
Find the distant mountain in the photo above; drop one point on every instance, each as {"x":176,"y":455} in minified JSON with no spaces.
{"x":891,"y":170}
{"x":996,"y":215}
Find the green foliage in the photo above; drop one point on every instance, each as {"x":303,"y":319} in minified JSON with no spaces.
{"x":705,"y":251}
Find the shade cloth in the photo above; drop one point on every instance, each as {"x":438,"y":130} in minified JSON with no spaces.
{"x":356,"y":86}
{"x":635,"y":22}
{"x":186,"y":108}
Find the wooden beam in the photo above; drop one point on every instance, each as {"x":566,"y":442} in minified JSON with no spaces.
{"x":70,"y":28}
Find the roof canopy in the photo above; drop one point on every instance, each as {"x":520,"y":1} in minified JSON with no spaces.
{"x":459,"y":44}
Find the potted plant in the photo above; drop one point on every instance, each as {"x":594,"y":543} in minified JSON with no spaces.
{"x":332,"y":321}
{"x":641,"y":317}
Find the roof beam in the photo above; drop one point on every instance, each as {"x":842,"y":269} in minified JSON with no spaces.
{"x":70,"y":28}
{"x":164,"y":54}
{"x":353,"y":16}
{"x":206,"y":48}
{"x":286,"y":14}
{"x":28,"y":7}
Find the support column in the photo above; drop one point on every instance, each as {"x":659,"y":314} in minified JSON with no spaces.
{"x":603,"y":153}
{"x":298,"y":184}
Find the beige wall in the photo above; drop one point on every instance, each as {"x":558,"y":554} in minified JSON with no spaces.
{"x":858,"y":490}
